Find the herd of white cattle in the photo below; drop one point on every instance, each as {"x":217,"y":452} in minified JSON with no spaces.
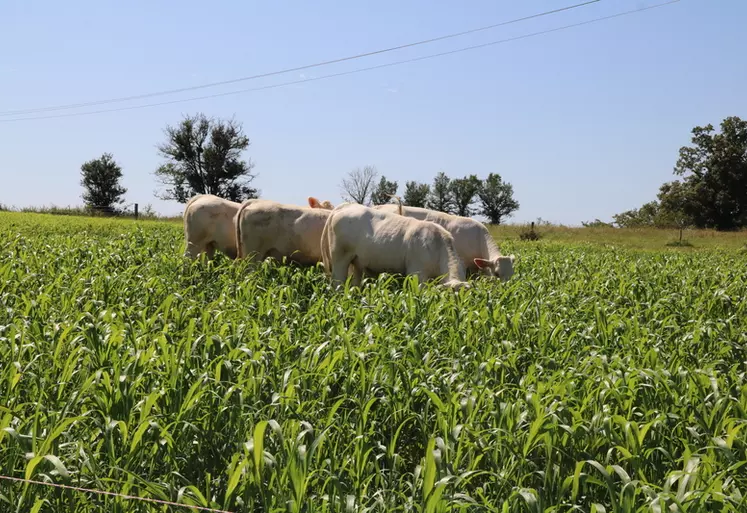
{"x":349,"y":240}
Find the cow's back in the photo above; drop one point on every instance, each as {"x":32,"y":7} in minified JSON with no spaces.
{"x":283,"y":229}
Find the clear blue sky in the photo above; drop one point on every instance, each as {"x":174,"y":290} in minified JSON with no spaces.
{"x":584,"y":123}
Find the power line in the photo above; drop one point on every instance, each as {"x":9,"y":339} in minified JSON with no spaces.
{"x":351,"y":72}
{"x":300,"y":68}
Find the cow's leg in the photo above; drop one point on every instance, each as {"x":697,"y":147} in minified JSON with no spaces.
{"x":230,"y":252}
{"x":357,"y":272}
{"x":192,"y":250}
{"x":254,"y":254}
{"x":422,"y":277}
{"x":340,"y":265}
{"x":210,"y":249}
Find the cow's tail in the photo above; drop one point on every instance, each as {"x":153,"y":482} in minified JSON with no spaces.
{"x":450,"y":262}
{"x":399,"y":203}
{"x":326,"y":254}
{"x":237,"y":223}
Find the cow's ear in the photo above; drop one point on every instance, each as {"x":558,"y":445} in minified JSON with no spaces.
{"x":481,"y":263}
{"x":313,"y":202}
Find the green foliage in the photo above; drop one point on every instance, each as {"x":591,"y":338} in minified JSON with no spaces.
{"x":463,"y":192}
{"x":529,"y":233}
{"x":596,"y":223}
{"x":715,"y":175}
{"x":647,"y":215}
{"x":100,"y":178}
{"x":204,"y":156}
{"x":440,"y":197}
{"x":496,"y":199}
{"x":416,"y":194}
{"x":383,"y":192}
{"x":713,"y":191}
{"x":595,"y":380}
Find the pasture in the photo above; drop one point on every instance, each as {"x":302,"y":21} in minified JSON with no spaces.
{"x":601,"y":377}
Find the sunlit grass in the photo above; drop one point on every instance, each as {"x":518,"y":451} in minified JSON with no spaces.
{"x":596,"y":377}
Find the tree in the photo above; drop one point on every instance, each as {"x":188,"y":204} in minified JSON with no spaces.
{"x":496,"y":199}
{"x":714,"y":189}
{"x":463,"y":192}
{"x":100,"y":181}
{"x":358,"y":186}
{"x":675,"y":205}
{"x":384,"y":191}
{"x":416,"y":194}
{"x":440,"y":197}
{"x":647,"y":215}
{"x":204,"y":157}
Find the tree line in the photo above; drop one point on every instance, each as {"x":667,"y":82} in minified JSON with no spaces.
{"x":466,"y":196}
{"x":203,"y":156}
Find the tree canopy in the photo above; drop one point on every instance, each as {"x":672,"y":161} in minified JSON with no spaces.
{"x":384,"y":191}
{"x":100,"y":180}
{"x":416,"y":194}
{"x":496,"y":199}
{"x":204,"y":156}
{"x":713,"y":190}
{"x":463,"y":191}
{"x":440,"y":196}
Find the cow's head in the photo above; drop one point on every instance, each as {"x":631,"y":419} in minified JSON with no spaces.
{"x":315,"y":203}
{"x":500,"y":266}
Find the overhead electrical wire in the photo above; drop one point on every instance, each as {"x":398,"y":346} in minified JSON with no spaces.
{"x":299,"y":68}
{"x":351,"y":72}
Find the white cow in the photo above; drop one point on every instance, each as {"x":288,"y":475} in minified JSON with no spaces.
{"x":375,"y":241}
{"x":271,"y":229}
{"x":474,"y":244}
{"x":208,"y":225}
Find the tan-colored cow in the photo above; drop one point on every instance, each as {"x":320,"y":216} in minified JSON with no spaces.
{"x":208,"y":225}
{"x":375,"y":241}
{"x":276,"y":230}
{"x":474,"y":244}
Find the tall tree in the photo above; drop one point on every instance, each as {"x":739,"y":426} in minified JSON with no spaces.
{"x":713,"y":190}
{"x":204,"y":156}
{"x":100,"y":180}
{"x":715,"y":175}
{"x":496,"y":199}
{"x":463,"y":192}
{"x":359,"y":184}
{"x":384,"y":191}
{"x":440,"y":197}
{"x":416,"y":194}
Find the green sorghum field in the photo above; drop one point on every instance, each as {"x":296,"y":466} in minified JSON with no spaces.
{"x":597,"y":379}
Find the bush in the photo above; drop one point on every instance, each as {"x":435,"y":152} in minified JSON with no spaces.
{"x":530,"y":234}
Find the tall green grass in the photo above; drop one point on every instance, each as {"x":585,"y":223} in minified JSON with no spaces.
{"x":595,"y":380}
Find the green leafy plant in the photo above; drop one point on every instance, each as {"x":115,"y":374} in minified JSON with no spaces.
{"x":594,"y":380}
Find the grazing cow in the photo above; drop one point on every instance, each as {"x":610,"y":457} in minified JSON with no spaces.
{"x":476,"y":248}
{"x":374,"y":241}
{"x":208,"y":225}
{"x":271,"y":229}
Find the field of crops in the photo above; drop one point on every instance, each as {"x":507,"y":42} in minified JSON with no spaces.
{"x":597,"y":379}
